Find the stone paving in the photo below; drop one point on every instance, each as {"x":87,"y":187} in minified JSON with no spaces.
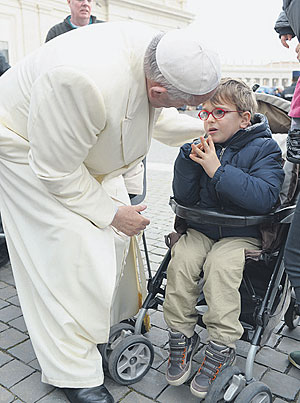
{"x":20,"y":371}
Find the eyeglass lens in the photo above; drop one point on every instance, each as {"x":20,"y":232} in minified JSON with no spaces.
{"x":217,"y":114}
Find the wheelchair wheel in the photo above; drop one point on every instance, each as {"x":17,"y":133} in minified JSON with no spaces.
{"x":220,"y":384}
{"x":117,"y":333}
{"x":255,"y":392}
{"x":291,"y":318}
{"x":131,"y":359}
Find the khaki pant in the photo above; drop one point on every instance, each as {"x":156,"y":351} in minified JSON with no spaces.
{"x":222,"y":263}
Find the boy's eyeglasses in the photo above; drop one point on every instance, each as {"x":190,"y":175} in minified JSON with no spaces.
{"x":217,"y":113}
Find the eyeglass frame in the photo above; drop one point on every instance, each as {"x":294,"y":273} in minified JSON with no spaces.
{"x":212,"y":113}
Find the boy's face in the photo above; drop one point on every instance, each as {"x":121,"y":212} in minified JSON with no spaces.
{"x":223,"y":129}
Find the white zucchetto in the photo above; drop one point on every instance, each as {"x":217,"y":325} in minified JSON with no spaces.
{"x":187,"y":63}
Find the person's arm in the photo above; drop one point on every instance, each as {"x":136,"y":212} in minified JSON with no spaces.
{"x":283,"y":28}
{"x":256,"y":190}
{"x":67,"y":114}
{"x":175,"y":129}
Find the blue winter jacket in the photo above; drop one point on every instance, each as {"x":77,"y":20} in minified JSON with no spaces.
{"x":248,"y":181}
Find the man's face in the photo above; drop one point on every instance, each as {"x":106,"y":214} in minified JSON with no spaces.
{"x":80,"y":8}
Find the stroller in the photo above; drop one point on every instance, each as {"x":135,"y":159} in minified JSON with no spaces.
{"x":266,"y":297}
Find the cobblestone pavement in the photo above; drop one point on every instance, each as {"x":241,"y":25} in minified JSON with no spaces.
{"x":19,"y":369}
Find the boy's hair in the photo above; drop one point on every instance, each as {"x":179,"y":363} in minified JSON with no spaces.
{"x":236,"y":92}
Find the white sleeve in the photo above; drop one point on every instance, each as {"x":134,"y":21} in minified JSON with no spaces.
{"x":67,"y":114}
{"x":174,"y":128}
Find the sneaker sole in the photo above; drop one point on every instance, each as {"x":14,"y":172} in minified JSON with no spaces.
{"x":294,"y":363}
{"x":197,"y":392}
{"x":186,"y":375}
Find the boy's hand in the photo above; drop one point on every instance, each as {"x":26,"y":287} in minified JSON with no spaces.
{"x":198,"y":145}
{"x":205,"y":155}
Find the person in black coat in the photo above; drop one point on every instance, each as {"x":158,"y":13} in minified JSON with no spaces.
{"x":79,"y":17}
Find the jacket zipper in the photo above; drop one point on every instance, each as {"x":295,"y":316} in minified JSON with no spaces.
{"x":220,"y":158}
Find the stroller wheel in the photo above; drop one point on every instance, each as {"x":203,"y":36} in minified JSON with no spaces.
{"x":131,"y":359}
{"x":291,"y":318}
{"x":255,"y":392}
{"x":220,"y":384}
{"x":117,"y":333}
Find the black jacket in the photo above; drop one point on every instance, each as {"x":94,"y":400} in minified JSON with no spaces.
{"x":248,"y":181}
{"x":3,"y":64}
{"x":288,"y":21}
{"x":65,"y":26}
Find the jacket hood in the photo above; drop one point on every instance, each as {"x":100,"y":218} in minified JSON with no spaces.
{"x":259,"y":128}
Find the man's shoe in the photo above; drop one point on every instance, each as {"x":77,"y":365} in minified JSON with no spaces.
{"x":98,"y":394}
{"x":217,"y":358}
{"x":182,"y":350}
{"x":294,"y":358}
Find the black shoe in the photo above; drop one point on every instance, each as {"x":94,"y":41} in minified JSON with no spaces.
{"x":293,"y":146}
{"x":98,"y":394}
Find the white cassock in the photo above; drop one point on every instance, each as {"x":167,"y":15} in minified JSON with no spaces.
{"x":75,"y":124}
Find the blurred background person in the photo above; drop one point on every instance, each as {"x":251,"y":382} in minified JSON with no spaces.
{"x":288,"y":27}
{"x":288,"y":92}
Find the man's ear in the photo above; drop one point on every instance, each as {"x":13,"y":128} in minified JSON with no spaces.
{"x":246,"y":117}
{"x":157,"y":91}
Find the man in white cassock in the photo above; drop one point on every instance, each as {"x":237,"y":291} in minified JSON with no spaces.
{"x":76,"y":120}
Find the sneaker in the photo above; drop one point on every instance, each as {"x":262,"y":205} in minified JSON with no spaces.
{"x":294,"y":358}
{"x":182,"y":350}
{"x":217,"y":358}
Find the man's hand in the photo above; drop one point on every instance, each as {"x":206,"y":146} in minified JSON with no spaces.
{"x":128,"y":220}
{"x":206,"y":156}
{"x":284,"y":38}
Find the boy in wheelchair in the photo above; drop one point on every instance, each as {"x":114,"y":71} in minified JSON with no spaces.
{"x":236,"y":169}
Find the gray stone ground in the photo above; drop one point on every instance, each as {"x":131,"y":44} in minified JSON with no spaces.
{"x":20,"y":371}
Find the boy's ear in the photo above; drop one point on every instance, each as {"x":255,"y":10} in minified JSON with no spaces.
{"x":246,"y":117}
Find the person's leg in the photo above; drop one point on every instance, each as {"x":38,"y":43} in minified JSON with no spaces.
{"x":293,"y":142}
{"x":292,"y":253}
{"x":223,"y":273}
{"x":183,"y":275}
{"x":182,"y":292}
